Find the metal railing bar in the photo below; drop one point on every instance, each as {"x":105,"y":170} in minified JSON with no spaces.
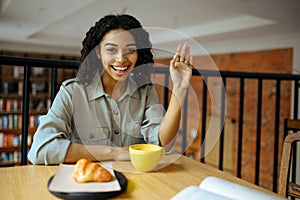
{"x":258,"y":131}
{"x":203,"y":128}
{"x":53,"y":83}
{"x":38,"y":62}
{"x":222,"y":125}
{"x":25,"y":114}
{"x":166,"y":92}
{"x":240,"y":128}
{"x":276,"y":134}
{"x":296,"y":106}
{"x":71,"y":64}
{"x":296,"y":97}
{"x":248,"y":75}
{"x":184,"y":124}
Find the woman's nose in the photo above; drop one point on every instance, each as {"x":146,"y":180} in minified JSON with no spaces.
{"x":121,"y":56}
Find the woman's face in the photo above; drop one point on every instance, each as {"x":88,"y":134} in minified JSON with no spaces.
{"x":118,"y":53}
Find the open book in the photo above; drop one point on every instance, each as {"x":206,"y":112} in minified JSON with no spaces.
{"x":212,"y":188}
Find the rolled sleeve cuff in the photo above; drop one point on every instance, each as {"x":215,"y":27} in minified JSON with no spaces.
{"x":53,"y":153}
{"x":154,"y":138}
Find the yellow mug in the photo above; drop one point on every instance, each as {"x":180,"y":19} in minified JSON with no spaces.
{"x":145,"y":157}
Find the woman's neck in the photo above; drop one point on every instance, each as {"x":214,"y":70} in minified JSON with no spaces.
{"x":114,"y":88}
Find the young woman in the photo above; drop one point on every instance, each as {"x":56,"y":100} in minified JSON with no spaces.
{"x":111,"y":104}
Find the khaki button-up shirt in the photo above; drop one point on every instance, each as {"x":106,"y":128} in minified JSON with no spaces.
{"x":87,"y":115}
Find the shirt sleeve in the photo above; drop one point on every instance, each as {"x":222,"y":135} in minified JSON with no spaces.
{"x":51,"y":140}
{"x":153,"y":116}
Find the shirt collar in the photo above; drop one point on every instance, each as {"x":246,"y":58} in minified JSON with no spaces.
{"x":95,"y":89}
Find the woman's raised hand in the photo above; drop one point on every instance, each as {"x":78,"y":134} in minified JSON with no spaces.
{"x":181,"y":67}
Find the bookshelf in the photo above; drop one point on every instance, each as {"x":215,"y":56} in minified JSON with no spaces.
{"x":11,"y":98}
{"x":11,"y":89}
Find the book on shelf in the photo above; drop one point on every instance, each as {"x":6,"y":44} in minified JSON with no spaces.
{"x":1,"y":105}
{"x":13,"y":140}
{"x":20,"y":88}
{"x":15,"y":105}
{"x":4,"y":123}
{"x":9,"y":140}
{"x":213,"y":188}
{"x":10,"y":157}
{"x":10,"y":105}
{"x":38,"y":71}
{"x":12,"y":121}
{"x":18,"y":71}
{"x":10,"y":87}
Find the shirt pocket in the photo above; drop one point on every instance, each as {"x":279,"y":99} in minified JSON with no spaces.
{"x":92,"y":135}
{"x":133,"y":132}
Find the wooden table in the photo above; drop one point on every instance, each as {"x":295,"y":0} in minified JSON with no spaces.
{"x":30,"y":182}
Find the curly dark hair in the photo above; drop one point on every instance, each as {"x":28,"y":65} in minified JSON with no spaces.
{"x":90,"y":64}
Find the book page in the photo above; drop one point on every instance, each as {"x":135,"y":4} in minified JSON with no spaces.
{"x":234,"y":191}
{"x":195,"y":193}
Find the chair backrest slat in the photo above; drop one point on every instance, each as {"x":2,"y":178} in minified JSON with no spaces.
{"x":285,"y":187}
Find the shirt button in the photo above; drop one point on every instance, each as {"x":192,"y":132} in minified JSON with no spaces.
{"x":115,"y":111}
{"x":91,"y":135}
{"x":117,"y":132}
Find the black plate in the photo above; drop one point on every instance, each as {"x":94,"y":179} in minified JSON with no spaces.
{"x":92,"y":195}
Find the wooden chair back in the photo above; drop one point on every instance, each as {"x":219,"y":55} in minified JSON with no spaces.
{"x":285,"y":186}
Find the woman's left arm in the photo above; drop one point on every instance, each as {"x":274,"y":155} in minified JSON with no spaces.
{"x":181,"y":72}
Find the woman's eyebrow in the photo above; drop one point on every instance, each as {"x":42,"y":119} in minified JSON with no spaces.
{"x":131,"y":44}
{"x":112,"y":44}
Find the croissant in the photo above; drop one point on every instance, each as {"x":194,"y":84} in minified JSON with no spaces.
{"x":87,"y":171}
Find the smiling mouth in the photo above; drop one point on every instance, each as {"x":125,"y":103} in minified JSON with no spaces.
{"x":120,"y":69}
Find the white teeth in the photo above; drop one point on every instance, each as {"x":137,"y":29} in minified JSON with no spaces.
{"x":120,"y":68}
